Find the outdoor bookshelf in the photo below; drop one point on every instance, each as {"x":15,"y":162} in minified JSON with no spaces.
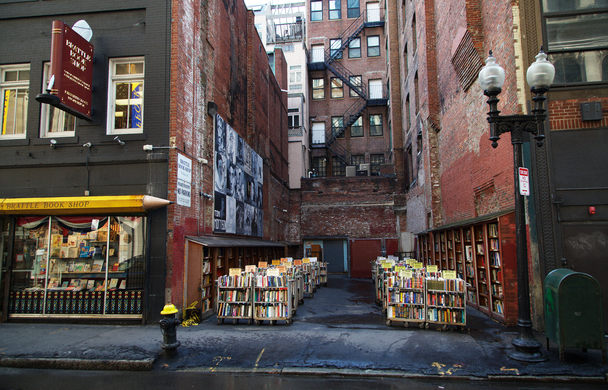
{"x":206,"y":285}
{"x":272,"y":299}
{"x":495,"y":268}
{"x":234,"y":301}
{"x":405,"y":299}
{"x":480,"y":252}
{"x":323,"y":273}
{"x":446,"y":301}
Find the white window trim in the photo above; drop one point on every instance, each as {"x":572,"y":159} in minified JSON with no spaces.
{"x":12,"y":84}
{"x":46,"y":108}
{"x":110,"y":130}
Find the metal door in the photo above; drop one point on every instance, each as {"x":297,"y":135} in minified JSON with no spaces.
{"x":335,"y":256}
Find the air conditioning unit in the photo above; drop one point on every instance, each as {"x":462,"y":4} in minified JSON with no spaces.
{"x":351,"y":170}
{"x":363,"y":170}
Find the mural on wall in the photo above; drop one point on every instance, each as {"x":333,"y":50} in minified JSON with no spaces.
{"x":238,"y":184}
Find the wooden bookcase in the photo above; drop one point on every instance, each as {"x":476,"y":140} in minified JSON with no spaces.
{"x":234,"y":300}
{"x":445,"y":302}
{"x":405,"y":301}
{"x":484,"y":256}
{"x":272,"y":298}
{"x":207,"y":284}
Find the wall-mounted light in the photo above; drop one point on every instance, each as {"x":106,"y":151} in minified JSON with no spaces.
{"x":53,"y":143}
{"x":87,"y":145}
{"x":120,"y":142}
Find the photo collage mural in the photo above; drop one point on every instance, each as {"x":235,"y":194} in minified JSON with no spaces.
{"x":238,"y":184}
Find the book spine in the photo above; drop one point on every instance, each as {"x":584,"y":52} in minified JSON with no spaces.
{"x":57,"y":43}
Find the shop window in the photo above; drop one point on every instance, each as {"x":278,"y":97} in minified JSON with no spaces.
{"x":375,"y":161}
{"x":354,"y":48}
{"x":126,"y":96}
{"x":318,"y":89}
{"x":335,"y":11}
{"x":356,"y":81}
{"x":356,"y":129}
{"x":316,"y":10}
{"x":337,"y":89}
{"x":337,"y":126}
{"x":373,"y":46}
{"x":14,"y":88}
{"x":353,"y":9}
{"x":576,"y":39}
{"x":53,"y":121}
{"x":337,"y":167}
{"x":375,"y":125}
{"x":93,"y":265}
{"x":335,"y":48}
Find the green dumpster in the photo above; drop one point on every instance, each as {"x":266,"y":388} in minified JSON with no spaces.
{"x":573,"y":311}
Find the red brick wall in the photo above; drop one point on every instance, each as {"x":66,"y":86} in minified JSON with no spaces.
{"x":566,"y":114}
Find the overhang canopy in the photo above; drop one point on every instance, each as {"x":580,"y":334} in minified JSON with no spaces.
{"x":72,"y":205}
{"x":225,"y":242}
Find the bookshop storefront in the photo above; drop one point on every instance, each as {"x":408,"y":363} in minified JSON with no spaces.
{"x":77,"y":257}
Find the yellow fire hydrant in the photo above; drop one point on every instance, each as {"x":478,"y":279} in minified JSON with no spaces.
{"x":168,"y":327}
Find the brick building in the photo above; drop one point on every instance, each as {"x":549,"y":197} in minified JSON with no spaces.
{"x":136,"y":184}
{"x":458,"y":190}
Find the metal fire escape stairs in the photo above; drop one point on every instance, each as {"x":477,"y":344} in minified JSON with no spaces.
{"x":340,"y":71}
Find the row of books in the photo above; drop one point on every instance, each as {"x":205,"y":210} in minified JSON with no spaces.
{"x":73,"y":302}
{"x":279,"y":310}
{"x":439,"y":299}
{"x":446,"y":315}
{"x":405,"y":312}
{"x":234,"y":295}
{"x":495,"y":259}
{"x":406,"y":297}
{"x":413,"y":283}
{"x":271,"y":296}
{"x":234,"y":281}
{"x":227,"y":309}
{"x":270,"y":281}
{"x":441,"y":284}
{"x":496,"y":290}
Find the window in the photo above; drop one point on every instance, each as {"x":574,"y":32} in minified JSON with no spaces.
{"x":335,"y":48}
{"x":337,"y":126}
{"x":375,"y":89}
{"x":318,"y":89}
{"x":316,"y":10}
{"x":416,"y":95}
{"x":126,"y":96}
{"x":576,"y":39}
{"x":357,"y":159}
{"x":14,"y":87}
{"x":375,"y":160}
{"x":356,"y":129}
{"x":356,"y":81}
{"x":334,"y":9}
{"x":318,"y":133}
{"x":414,"y":32}
{"x":337,"y":91}
{"x":352,"y":10}
{"x":409,"y":168}
{"x":373,"y":12}
{"x":318,"y":53}
{"x":295,"y":77}
{"x":293,"y":118}
{"x":408,"y":115}
{"x":419,"y":145}
{"x":375,"y":124}
{"x":319,"y":166}
{"x":53,"y":121}
{"x":337,"y":167}
{"x":373,"y":46}
{"x":354,"y":48}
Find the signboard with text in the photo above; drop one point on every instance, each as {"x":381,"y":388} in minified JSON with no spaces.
{"x":524,"y":181}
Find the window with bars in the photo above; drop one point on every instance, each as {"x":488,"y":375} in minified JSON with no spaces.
{"x":375,"y":161}
{"x":337,"y":167}
{"x":357,"y":159}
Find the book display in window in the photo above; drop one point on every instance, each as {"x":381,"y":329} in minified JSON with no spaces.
{"x":405,"y":299}
{"x":445,"y":300}
{"x":234,"y":298}
{"x":272,"y":298}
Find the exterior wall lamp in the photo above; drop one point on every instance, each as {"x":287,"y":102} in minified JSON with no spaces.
{"x":539,"y":77}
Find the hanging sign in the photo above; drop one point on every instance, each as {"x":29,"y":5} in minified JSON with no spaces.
{"x":524,"y":181}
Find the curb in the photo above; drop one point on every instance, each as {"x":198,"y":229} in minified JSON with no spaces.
{"x":79,"y":364}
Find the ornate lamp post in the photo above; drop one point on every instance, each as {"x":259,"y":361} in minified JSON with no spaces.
{"x":539,"y":76}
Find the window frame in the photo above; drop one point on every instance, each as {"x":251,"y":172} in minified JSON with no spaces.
{"x":372,"y":47}
{"x":334,"y":13}
{"x":352,"y":92}
{"x":335,"y":46}
{"x":321,"y":167}
{"x":314,"y":13}
{"x":352,"y":49}
{"x":375,"y":165}
{"x":372,"y":126}
{"x":360,"y":157}
{"x":18,"y":85}
{"x":47,"y":109}
{"x":317,"y":128}
{"x":339,"y":121}
{"x":338,"y":168}
{"x":359,"y":125}
{"x":335,"y":91}
{"x":115,"y":79}
{"x":320,"y":88}
{"x":350,"y":13}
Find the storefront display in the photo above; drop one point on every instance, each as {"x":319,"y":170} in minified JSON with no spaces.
{"x":78,"y":265}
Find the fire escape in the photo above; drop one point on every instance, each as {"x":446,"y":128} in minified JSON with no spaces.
{"x":329,"y":62}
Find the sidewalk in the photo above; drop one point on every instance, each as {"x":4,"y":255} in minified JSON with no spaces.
{"x":338,"y":331}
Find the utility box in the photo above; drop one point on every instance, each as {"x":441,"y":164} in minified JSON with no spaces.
{"x":573,"y":311}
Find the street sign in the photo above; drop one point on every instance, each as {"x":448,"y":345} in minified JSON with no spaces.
{"x":524,"y":181}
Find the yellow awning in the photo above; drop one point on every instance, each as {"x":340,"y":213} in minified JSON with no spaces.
{"x":71,"y":205}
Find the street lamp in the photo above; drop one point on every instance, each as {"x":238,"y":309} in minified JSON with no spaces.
{"x":539,"y":76}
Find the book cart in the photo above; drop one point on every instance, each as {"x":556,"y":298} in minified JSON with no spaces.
{"x":323,"y":273}
{"x":445,"y":299}
{"x":234,"y":301}
{"x":308,"y":272}
{"x":405,"y":298}
{"x":272,"y":297}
